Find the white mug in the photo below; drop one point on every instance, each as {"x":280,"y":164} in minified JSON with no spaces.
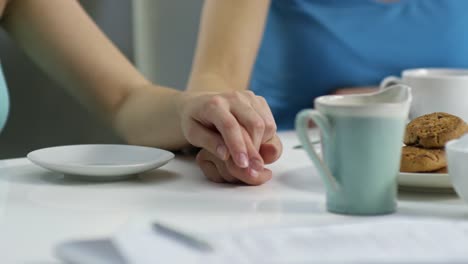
{"x":435,"y":90}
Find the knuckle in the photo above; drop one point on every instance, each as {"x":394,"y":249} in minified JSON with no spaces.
{"x":270,"y":126}
{"x":261,"y":99}
{"x":236,"y":96}
{"x":215,"y":102}
{"x":249,"y":93}
{"x":257,"y":124}
{"x":228,"y":124}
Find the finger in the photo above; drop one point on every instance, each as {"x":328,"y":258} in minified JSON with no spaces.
{"x":256,"y":163}
{"x":217,"y":114}
{"x":263,"y":109}
{"x":271,"y":150}
{"x":209,"y":168}
{"x":200,"y":136}
{"x":227,"y":171}
{"x":224,"y":173}
{"x":211,"y":172}
{"x":249,"y":118}
{"x":243,"y":174}
{"x":221,"y":168}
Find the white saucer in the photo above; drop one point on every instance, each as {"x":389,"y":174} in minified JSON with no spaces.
{"x":100,"y":162}
{"x":425,"y":180}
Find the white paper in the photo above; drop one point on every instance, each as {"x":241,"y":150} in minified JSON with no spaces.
{"x":142,"y":244}
{"x":381,"y":242}
{"x":89,"y":252}
{"x":389,"y":241}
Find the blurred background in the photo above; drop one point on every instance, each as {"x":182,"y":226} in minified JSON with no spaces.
{"x":157,"y":35}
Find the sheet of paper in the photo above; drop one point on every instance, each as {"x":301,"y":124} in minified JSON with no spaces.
{"x":89,"y":252}
{"x":381,"y":242}
{"x":143,"y":244}
{"x":389,"y":241}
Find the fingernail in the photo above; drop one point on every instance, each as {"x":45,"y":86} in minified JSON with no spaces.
{"x":243,"y":160}
{"x":222,"y":151}
{"x":256,"y":164}
{"x":253,"y":173}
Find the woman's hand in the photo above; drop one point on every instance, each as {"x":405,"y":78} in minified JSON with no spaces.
{"x":229,"y":37}
{"x":215,"y":122}
{"x":221,"y":171}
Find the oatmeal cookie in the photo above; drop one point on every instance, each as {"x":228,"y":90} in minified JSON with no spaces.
{"x":415,"y":159}
{"x":434,"y":130}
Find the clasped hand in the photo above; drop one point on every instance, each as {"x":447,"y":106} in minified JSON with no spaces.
{"x":236,"y":131}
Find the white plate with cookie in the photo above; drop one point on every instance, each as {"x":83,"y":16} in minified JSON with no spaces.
{"x":424,"y":162}
{"x":424,"y":180}
{"x":430,"y":165}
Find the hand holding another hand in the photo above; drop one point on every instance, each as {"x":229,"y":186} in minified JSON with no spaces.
{"x":230,"y":127}
{"x":221,"y":171}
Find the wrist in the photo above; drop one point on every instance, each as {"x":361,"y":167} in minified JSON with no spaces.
{"x":212,"y":82}
{"x":139,"y":117}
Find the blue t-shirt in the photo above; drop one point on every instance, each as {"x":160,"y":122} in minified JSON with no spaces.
{"x":313,"y":47}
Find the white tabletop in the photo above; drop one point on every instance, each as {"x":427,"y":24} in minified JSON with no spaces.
{"x":39,"y":209}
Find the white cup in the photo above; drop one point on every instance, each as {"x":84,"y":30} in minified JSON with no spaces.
{"x":457,"y":157}
{"x":435,"y":90}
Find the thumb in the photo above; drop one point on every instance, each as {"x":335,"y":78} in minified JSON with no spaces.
{"x":271,"y":150}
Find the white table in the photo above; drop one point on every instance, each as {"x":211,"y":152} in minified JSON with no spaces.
{"x":39,"y":209}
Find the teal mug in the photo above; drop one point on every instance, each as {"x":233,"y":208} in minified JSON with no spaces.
{"x":4,"y":101}
{"x":361,"y":137}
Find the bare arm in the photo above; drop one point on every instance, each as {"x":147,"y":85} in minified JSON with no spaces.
{"x":60,"y":37}
{"x":229,"y":38}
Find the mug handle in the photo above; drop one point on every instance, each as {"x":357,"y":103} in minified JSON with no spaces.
{"x":389,"y":81}
{"x":302,"y":127}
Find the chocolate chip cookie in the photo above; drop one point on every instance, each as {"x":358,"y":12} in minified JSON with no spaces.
{"x":434,"y":130}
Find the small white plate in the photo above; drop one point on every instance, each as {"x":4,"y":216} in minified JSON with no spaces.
{"x":424,"y":180}
{"x":100,"y":162}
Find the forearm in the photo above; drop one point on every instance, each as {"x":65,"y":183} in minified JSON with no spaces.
{"x":60,"y":37}
{"x":229,"y":37}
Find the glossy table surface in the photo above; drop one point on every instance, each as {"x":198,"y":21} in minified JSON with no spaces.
{"x":39,"y":208}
